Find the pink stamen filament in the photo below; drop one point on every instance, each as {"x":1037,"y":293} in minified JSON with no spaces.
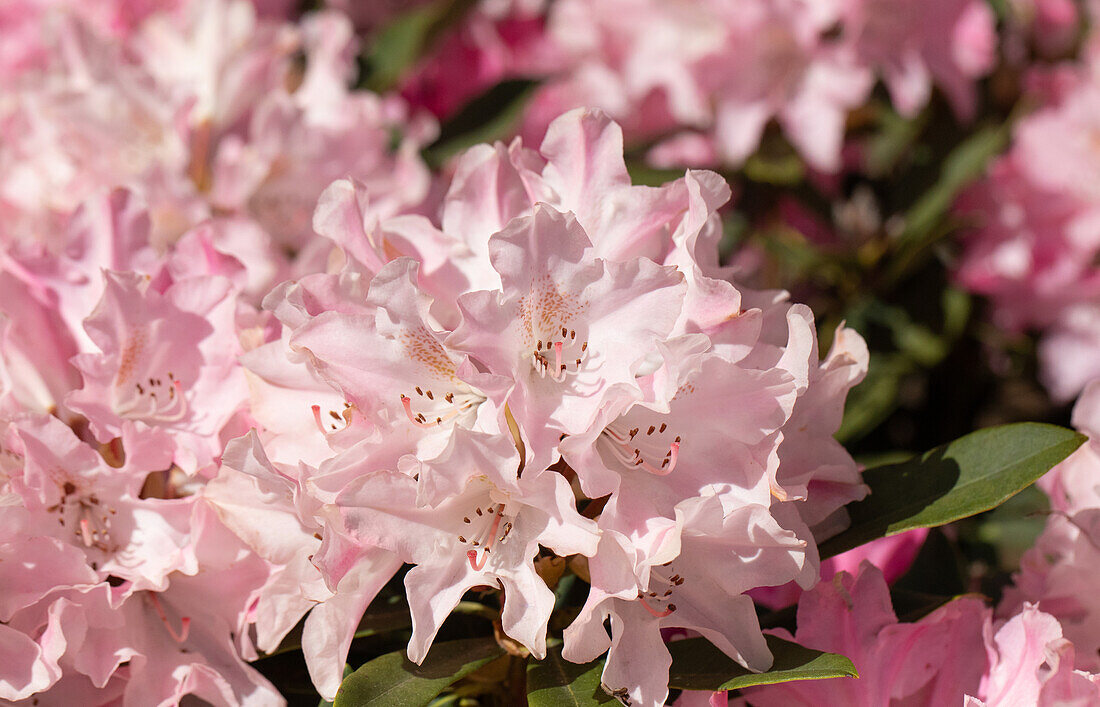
{"x":633,"y":458}
{"x":86,"y":532}
{"x":558,"y":373}
{"x":471,"y":555}
{"x":653,"y":612}
{"x":185,"y":622}
{"x":317,"y":418}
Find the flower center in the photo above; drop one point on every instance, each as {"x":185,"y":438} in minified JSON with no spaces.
{"x":662,"y":587}
{"x":158,"y":398}
{"x":649,"y":449}
{"x":333,"y":421}
{"x":557,"y":357}
{"x":433,"y":408}
{"x":491,"y":528}
{"x":87,"y":517}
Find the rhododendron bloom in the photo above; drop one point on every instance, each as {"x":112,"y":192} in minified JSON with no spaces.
{"x":487,"y":531}
{"x":935,"y":661}
{"x":1031,"y":664}
{"x":166,"y":362}
{"x":572,"y":332}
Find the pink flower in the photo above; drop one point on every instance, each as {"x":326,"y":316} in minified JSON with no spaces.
{"x":723,"y":72}
{"x":269,"y":508}
{"x":1031,"y":664}
{"x":912,"y":44}
{"x":487,"y":530}
{"x":571,"y":331}
{"x":935,"y":661}
{"x":695,"y":581}
{"x":168,"y":361}
{"x":893,"y":555}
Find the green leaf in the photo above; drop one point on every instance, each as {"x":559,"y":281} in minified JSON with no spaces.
{"x":491,"y":116}
{"x":325,"y":703}
{"x":924,"y":219}
{"x":398,"y":45}
{"x":392,"y":680}
{"x":959,"y":479}
{"x":698,"y":665}
{"x":555,"y":682}
{"x":872,"y":401}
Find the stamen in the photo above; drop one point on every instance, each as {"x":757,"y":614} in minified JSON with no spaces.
{"x":471,"y":555}
{"x":406,"y":402}
{"x":657,"y":614}
{"x":185,"y":622}
{"x":86,"y":532}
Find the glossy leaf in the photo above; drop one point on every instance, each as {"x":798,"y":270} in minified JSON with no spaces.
{"x":555,"y":681}
{"x":392,"y":680}
{"x":698,"y":665}
{"x":953,"y":481}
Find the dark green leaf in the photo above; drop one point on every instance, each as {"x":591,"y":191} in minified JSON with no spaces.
{"x":876,"y":397}
{"x":392,"y":680}
{"x":491,"y":116}
{"x":959,"y":479}
{"x":555,"y":681}
{"x":698,"y":665}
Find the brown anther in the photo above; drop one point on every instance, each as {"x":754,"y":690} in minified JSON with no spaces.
{"x":584,"y":346}
{"x":461,"y":539}
{"x":572,"y":334}
{"x":663,"y":426}
{"x":564,"y":332}
{"x":449,"y":397}
{"x":430,"y":396}
{"x":334,"y":415}
{"x":478,"y":510}
{"x":68,"y":488}
{"x":465,"y":520}
{"x":419,"y":391}
{"x":650,"y":430}
{"x":677,"y":440}
{"x":672,"y":607}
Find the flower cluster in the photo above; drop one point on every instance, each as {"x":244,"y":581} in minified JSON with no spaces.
{"x":1036,"y":226}
{"x":274,"y":346}
{"x":706,"y":77}
{"x":543,"y":360}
